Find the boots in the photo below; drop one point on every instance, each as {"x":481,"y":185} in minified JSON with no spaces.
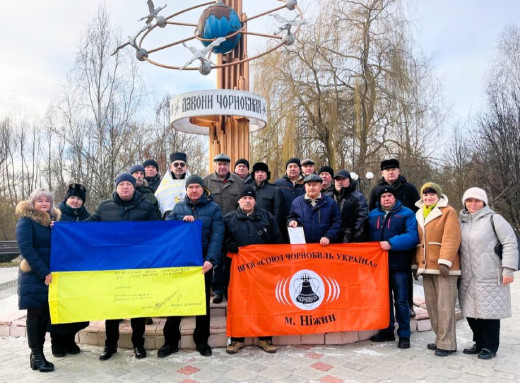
{"x":70,"y":344}
{"x":58,"y":345}
{"x":36,"y":329}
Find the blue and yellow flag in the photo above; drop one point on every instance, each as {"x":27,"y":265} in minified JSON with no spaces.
{"x":112,"y":270}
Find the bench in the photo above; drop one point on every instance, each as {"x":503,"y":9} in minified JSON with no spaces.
{"x":8,"y":251}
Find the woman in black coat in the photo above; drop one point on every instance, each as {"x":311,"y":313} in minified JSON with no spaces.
{"x":72,"y":210}
{"x":33,"y":233}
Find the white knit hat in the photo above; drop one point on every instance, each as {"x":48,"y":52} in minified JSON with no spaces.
{"x":476,"y":193}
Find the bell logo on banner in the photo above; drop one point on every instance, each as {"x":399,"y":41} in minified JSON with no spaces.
{"x":307,"y":290}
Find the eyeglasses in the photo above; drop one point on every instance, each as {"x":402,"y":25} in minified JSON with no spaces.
{"x":179,"y":164}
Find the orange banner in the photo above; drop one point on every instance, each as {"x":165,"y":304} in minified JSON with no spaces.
{"x":307,"y":289}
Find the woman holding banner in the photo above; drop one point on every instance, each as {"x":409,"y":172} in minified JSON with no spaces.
{"x":484,"y":292}
{"x":72,"y":210}
{"x":33,"y":233}
{"x":437,"y":260}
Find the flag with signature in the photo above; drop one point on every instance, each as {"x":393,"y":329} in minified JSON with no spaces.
{"x":112,"y":270}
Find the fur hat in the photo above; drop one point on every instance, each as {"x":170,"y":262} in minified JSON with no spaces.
{"x":476,"y":193}
{"x":431,"y":186}
{"x":76,"y":190}
{"x":151,"y":162}
{"x":389,"y":164}
{"x":124,"y":177}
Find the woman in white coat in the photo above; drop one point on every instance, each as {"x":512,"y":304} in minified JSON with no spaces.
{"x":484,"y":292}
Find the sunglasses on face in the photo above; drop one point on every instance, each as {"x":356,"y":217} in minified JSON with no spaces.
{"x":179,"y":164}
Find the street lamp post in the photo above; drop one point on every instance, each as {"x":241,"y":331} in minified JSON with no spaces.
{"x":369,"y":177}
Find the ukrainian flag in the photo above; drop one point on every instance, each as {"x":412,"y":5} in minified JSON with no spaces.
{"x":112,"y":270}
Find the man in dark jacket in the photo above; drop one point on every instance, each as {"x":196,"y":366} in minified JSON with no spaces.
{"x":224,"y":188}
{"x":327,"y":175}
{"x":141,"y":185}
{"x":268,"y":196}
{"x":242,"y":170}
{"x":250,"y":225}
{"x":291,"y":186}
{"x":317,"y":213}
{"x":197,"y":204}
{"x":395,"y":227}
{"x":152,"y":175}
{"x":353,"y":207}
{"x":405,"y":192}
{"x":126,"y":204}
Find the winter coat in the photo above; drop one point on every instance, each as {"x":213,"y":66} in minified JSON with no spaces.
{"x":212,"y":224}
{"x":399,"y":228}
{"x":289,"y":191}
{"x":225,"y":194}
{"x":481,"y":292}
{"x":115,"y":209}
{"x":268,"y":197}
{"x":260,"y":227}
{"x":148,"y":193}
{"x":322,"y":220}
{"x":69,"y":214}
{"x":354,"y":213}
{"x":439,"y":239}
{"x":406,"y":192}
{"x":33,"y":233}
{"x":153,"y":182}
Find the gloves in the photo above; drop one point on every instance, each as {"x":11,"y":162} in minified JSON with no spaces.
{"x":444,"y":270}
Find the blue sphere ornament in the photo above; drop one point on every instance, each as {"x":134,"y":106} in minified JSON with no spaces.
{"x":219,"y":20}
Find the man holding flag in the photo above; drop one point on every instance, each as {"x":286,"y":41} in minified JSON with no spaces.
{"x":197,"y":205}
{"x":126,"y":204}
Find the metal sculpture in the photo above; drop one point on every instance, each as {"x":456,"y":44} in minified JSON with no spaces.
{"x":222,"y":29}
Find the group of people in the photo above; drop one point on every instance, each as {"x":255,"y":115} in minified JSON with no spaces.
{"x":420,"y":231}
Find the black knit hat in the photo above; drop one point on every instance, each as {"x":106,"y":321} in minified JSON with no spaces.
{"x":242,"y":161}
{"x":76,"y":190}
{"x":383,"y":190}
{"x":178,"y":156}
{"x":151,"y":162}
{"x":124,"y":177}
{"x":293,"y":160}
{"x":326,"y":169}
{"x":136,"y":168}
{"x":247,"y":192}
{"x":195,"y":179}
{"x":389,"y":164}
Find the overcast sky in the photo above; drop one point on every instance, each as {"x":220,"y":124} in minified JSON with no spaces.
{"x":39,"y":40}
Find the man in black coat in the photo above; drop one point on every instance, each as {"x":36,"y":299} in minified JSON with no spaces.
{"x":268,"y":196}
{"x":126,"y":204}
{"x":353,"y":207}
{"x":250,"y":225}
{"x":405,"y":192}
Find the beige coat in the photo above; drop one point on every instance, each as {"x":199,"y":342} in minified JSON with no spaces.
{"x":439,"y":239}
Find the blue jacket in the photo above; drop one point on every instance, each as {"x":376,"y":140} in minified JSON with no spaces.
{"x":212,"y":224}
{"x":322,"y":220}
{"x":33,"y":233}
{"x":399,"y":228}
